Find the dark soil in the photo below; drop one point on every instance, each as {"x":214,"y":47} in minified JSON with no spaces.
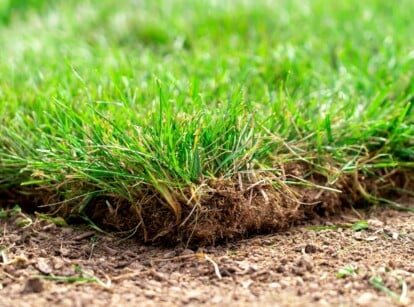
{"x":297,"y":267}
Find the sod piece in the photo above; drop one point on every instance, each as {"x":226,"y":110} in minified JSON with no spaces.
{"x":199,"y":121}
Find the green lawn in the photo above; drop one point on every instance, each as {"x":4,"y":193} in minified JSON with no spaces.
{"x":174,"y":117}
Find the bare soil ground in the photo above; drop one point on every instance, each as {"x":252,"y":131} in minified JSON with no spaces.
{"x":42,"y":264}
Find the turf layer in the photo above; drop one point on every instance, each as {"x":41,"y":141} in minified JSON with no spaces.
{"x":204,"y":120}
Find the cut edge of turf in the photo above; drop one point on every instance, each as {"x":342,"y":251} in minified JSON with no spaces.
{"x":221,"y":209}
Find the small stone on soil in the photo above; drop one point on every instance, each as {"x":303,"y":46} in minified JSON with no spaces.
{"x":33,"y":285}
{"x":187,"y":252}
{"x":170,"y":254}
{"x":43,"y":266}
{"x":310,"y":248}
{"x":365,"y":299}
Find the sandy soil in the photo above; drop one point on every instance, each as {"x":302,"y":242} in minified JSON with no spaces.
{"x":41,"y":264}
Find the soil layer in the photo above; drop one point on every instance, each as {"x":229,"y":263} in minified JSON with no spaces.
{"x":42,"y":264}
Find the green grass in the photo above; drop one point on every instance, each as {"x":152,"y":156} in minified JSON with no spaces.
{"x":130,"y":101}
{"x":85,"y":277}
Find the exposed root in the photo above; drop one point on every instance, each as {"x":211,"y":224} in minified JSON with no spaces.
{"x":222,"y":209}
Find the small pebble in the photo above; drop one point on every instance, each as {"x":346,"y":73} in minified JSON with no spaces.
{"x":33,"y":285}
{"x":365,"y":299}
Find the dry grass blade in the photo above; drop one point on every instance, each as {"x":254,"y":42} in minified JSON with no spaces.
{"x":216,"y":268}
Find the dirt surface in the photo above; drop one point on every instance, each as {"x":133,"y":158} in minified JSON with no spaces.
{"x":43,"y":264}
